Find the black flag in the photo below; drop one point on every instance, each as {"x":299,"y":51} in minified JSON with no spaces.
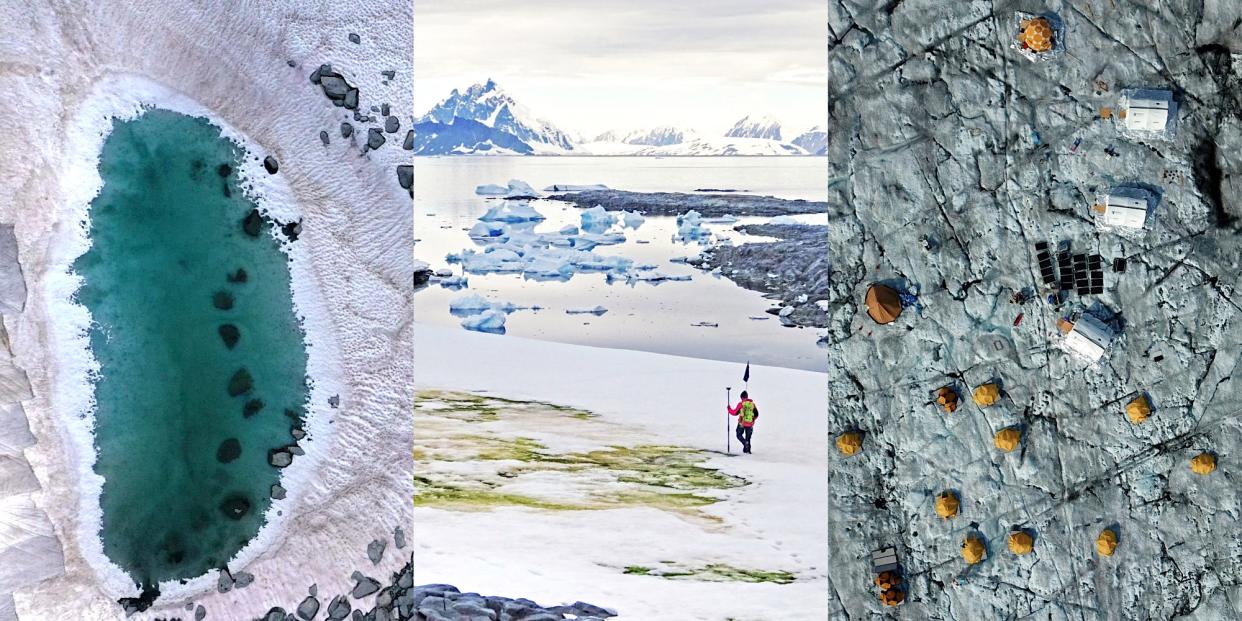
{"x":746,"y":375}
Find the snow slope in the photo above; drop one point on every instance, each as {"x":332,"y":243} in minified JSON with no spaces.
{"x":756,"y":126}
{"x":775,"y":523}
{"x":506,"y":120}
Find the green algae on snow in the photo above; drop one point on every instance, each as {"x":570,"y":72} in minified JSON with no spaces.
{"x":713,"y":572}
{"x":202,"y":361}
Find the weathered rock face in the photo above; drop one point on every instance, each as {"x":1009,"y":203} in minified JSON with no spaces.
{"x":950,"y":156}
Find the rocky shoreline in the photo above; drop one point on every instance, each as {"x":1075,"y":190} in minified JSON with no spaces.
{"x":677,"y":203}
{"x":793,"y":269}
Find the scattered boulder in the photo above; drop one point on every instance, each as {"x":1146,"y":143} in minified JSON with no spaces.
{"x":275,"y":614}
{"x":389,"y":74}
{"x":363,"y":586}
{"x":222,"y":300}
{"x":347,"y":130}
{"x":242,"y":580}
{"x":291,"y":63}
{"x":384,"y":108}
{"x":297,"y":433}
{"x":200,"y":613}
{"x":238,"y":277}
{"x":278,"y":492}
{"x":292,"y":230}
{"x":279,"y":458}
{"x":271,"y":165}
{"x":375,"y":138}
{"x":375,"y":551}
{"x":398,"y":538}
{"x":351,"y":99}
{"x":229,"y":451}
{"x":308,"y":608}
{"x":405,"y":176}
{"x":240,"y":383}
{"x":224,"y":170}
{"x":334,"y":401}
{"x":229,"y":334}
{"x":392,"y":124}
{"x":354,"y":38}
{"x":408,"y":145}
{"x":339,"y":608}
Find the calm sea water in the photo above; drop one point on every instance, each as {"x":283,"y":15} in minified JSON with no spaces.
{"x":184,"y":461}
{"x":658,"y":318}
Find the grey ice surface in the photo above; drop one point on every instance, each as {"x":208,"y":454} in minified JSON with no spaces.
{"x":940,"y":132}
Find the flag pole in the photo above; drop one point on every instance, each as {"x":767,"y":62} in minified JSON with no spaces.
{"x":728,"y":437}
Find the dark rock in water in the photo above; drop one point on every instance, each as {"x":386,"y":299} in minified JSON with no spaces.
{"x":240,"y":383}
{"x":227,"y":192}
{"x":278,"y":492}
{"x":347,"y":130}
{"x":222,"y":300}
{"x":229,"y":334}
{"x":365,"y":586}
{"x":229,"y":450}
{"x":323,"y":137}
{"x":239,"y":276}
{"x":308,"y":609}
{"x":253,"y":224}
{"x":292,"y":230}
{"x":375,"y":138}
{"x":235,"y":506}
{"x":297,"y":433}
{"x":391,"y":124}
{"x":252,"y":407}
{"x":279,"y":458}
{"x":390,"y":74}
{"x":398,"y":538}
{"x":375,"y":551}
{"x":354,"y":38}
{"x":224,"y":170}
{"x":422,"y":277}
{"x":405,"y":176}
{"x":271,"y":165}
{"x":351,"y":99}
{"x":408,"y":145}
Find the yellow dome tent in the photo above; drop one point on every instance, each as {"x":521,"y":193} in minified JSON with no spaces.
{"x":1021,"y":542}
{"x":1106,"y":543}
{"x":987,"y":394}
{"x":887,"y":580}
{"x":947,"y":504}
{"x":1203,"y":463}
{"x":1007,"y":439}
{"x":947,"y":398}
{"x":883,"y":304}
{"x":1036,"y":34}
{"x":849,"y":443}
{"x":972,"y":550}
{"x":892,"y":597}
{"x":1139,"y":409}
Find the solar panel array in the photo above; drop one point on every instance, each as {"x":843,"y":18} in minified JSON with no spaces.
{"x":1078,"y":272}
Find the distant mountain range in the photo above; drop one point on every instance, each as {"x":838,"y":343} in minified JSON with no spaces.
{"x":484,"y":119}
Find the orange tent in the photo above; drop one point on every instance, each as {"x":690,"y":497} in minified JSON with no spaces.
{"x":892,"y":597}
{"x":973,"y":550}
{"x":883,"y":304}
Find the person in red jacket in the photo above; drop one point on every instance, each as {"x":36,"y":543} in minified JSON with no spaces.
{"x":746,"y":412}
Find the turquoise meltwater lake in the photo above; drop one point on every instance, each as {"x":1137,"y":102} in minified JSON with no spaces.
{"x":202,"y":361}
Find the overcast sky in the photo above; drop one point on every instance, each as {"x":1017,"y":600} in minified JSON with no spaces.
{"x":594,"y":65}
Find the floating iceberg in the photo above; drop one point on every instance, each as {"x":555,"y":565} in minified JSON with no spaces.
{"x":491,"y":189}
{"x":690,"y":227}
{"x":784,"y":220}
{"x":632,"y":219}
{"x":487,"y":321}
{"x":725,"y":219}
{"x":469,"y":302}
{"x":512,"y":212}
{"x":597,"y":219}
{"x":597,"y":311}
{"x":488,"y":230}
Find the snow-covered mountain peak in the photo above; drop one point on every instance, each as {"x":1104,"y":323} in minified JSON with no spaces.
{"x":756,"y":126}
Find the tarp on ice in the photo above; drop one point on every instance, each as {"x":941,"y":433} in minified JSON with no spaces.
{"x":883,"y":304}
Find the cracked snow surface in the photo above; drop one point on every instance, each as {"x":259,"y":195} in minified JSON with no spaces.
{"x":939,"y":130}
